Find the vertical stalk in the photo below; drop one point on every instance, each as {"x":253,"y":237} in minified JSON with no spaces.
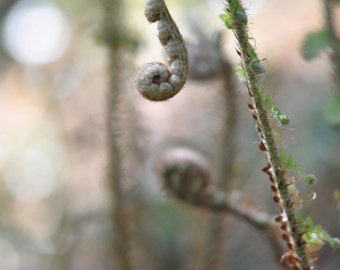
{"x":228,"y":135}
{"x":292,"y":230}
{"x":224,"y":168}
{"x":329,"y":18}
{"x":335,"y":43}
{"x":112,"y":29}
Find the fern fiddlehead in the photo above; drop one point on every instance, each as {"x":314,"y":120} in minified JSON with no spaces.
{"x":186,"y":176}
{"x":157,"y":82}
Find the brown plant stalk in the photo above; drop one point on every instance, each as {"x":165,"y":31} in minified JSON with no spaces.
{"x":112,"y":26}
{"x":225,"y":169}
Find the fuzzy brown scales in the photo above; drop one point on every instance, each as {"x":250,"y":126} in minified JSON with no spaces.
{"x":279,"y":219}
{"x":269,"y":171}
{"x":282,"y":218}
{"x":284,"y":226}
{"x":291,"y":259}
{"x":274,"y":188}
{"x":157,"y":82}
{"x":259,"y":130}
{"x":262,"y":146}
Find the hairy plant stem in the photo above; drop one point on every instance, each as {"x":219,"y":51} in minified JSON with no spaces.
{"x":112,"y":27}
{"x":274,"y":169}
{"x":335,"y":42}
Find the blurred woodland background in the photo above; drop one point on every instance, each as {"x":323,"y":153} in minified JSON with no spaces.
{"x":55,"y":196}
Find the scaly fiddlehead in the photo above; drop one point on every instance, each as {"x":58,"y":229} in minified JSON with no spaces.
{"x":156,"y":82}
{"x":187,"y":176}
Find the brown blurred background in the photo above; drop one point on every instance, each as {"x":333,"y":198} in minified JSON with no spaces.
{"x":54,"y":194}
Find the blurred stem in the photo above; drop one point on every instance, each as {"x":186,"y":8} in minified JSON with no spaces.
{"x":328,"y":6}
{"x":225,"y":163}
{"x":112,"y":26}
{"x":220,"y":202}
{"x":329,"y":18}
{"x":259,"y":220}
{"x":228,"y":135}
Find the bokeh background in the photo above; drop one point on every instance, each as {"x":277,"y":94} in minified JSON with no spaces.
{"x":54,"y":196}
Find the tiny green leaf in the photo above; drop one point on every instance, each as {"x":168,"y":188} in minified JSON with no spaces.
{"x":288,"y":161}
{"x":276,"y":110}
{"x":314,"y":242}
{"x":283,"y":119}
{"x":240,"y":73}
{"x":253,"y":54}
{"x":334,"y":242}
{"x":309,"y":223}
{"x":310,"y":179}
{"x":314,"y":43}
{"x":316,"y":236}
{"x":267,"y":100}
{"x":257,"y":67}
{"x":227,"y":20}
{"x":291,"y":162}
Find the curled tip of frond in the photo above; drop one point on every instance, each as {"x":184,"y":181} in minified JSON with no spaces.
{"x":185,"y":174}
{"x":156,"y":81}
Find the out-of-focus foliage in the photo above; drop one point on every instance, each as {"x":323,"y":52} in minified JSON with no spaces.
{"x":332,"y":112}
{"x":314,"y":43}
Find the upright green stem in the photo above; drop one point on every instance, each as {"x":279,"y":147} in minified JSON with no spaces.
{"x":112,"y":28}
{"x":291,"y":228}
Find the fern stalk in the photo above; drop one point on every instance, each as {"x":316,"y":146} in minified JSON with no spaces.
{"x":111,"y":29}
{"x":335,"y":42}
{"x":225,"y":165}
{"x":228,"y":135}
{"x":291,"y":228}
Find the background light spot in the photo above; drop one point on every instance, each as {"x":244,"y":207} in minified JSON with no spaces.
{"x":31,"y":175}
{"x":35,"y":32}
